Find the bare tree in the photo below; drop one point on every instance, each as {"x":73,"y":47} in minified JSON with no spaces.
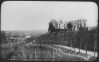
{"x":69,"y":26}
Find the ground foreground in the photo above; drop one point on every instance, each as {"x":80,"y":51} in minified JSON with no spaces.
{"x":44,"y":52}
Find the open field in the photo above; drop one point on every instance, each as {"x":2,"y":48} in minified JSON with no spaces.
{"x":45,"y":52}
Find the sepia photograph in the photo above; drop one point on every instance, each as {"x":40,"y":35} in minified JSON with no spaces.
{"x":49,"y":31}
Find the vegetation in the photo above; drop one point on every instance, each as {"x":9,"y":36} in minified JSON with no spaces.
{"x":3,"y":37}
{"x":19,"y":48}
{"x":86,"y":38}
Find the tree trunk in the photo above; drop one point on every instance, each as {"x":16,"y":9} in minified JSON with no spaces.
{"x":86,"y":48}
{"x":79,"y":47}
{"x":94,"y":51}
{"x":74,"y":47}
{"x":71,"y":43}
{"x":94,"y":47}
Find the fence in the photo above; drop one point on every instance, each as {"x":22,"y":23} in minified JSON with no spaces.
{"x":83,"y":48}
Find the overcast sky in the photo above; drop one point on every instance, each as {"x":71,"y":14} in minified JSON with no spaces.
{"x":35,"y":15}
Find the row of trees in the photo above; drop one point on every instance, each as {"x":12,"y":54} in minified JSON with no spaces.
{"x":83,"y":39}
{"x":8,"y":37}
{"x":3,"y":37}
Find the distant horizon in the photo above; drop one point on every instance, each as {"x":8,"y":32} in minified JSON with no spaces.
{"x":25,"y":30}
{"x":40,"y":29}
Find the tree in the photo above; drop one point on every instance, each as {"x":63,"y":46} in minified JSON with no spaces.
{"x":3,"y":37}
{"x":51,"y":28}
{"x":69,"y":26}
{"x":55,"y":23}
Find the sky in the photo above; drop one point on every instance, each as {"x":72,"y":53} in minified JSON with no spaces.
{"x":35,"y":15}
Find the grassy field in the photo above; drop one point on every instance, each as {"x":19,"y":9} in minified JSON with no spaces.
{"x":42,"y":53}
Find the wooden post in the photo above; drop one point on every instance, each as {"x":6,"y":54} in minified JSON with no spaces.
{"x":79,"y":47}
{"x":86,"y":48}
{"x":35,"y":56}
{"x":94,"y":51}
{"x":94,"y":47}
{"x":95,"y":44}
{"x":74,"y":46}
{"x":71,"y":44}
{"x":53,"y":57}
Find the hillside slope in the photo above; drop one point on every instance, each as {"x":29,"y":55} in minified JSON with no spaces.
{"x":65,"y":38}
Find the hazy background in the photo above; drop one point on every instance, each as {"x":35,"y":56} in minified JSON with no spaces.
{"x":35,"y":15}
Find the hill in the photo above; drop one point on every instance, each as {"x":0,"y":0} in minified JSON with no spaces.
{"x":84,"y":38}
